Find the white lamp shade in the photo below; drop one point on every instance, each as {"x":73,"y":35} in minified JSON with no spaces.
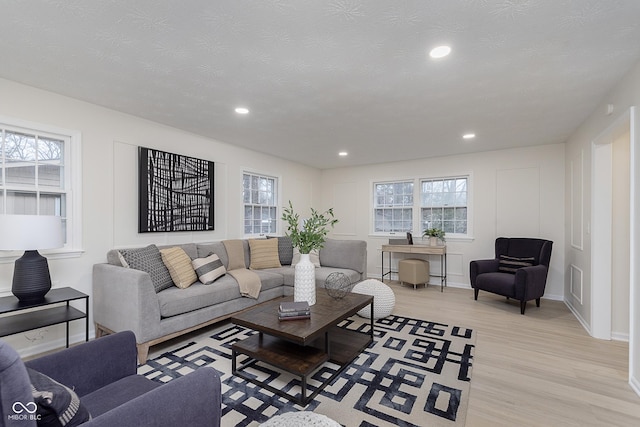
{"x":30,"y":232}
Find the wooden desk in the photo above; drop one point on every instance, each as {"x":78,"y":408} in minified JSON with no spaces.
{"x":418,"y":250}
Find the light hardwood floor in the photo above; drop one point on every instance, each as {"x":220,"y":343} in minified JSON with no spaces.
{"x":537,"y":370}
{"x":540,"y":369}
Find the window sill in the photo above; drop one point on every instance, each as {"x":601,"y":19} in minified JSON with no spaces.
{"x":10,"y":256}
{"x":419,"y":240}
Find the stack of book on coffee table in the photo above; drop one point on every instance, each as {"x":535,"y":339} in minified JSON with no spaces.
{"x":294,"y":310}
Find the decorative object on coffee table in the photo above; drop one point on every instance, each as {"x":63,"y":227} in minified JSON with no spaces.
{"x":383,"y":298}
{"x":337,"y":285}
{"x":31,"y":278}
{"x":307,"y":236}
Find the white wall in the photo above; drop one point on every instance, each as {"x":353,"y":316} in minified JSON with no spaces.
{"x":109,"y":187}
{"x":620,"y":238}
{"x":533,"y":208}
{"x":626,"y":94}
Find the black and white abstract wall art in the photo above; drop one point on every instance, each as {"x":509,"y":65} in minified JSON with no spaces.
{"x":175,"y":192}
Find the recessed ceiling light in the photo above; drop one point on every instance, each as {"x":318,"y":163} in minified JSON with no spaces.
{"x":242,"y":110}
{"x":343,"y":154}
{"x":469,"y":135}
{"x":440,"y":52}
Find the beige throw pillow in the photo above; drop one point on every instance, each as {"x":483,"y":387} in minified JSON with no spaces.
{"x":179,"y":265}
{"x":264,"y":253}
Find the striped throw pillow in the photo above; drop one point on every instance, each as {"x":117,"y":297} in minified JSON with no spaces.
{"x":509,"y":264}
{"x":179,"y":265}
{"x":209,"y":269}
{"x":264,"y":254}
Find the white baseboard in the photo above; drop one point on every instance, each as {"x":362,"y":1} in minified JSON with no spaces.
{"x":620,"y":336}
{"x":635,"y":385}
{"x":53,"y":344}
{"x":577,"y":315}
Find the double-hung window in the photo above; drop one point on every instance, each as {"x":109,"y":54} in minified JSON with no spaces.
{"x":443,"y":204}
{"x":37,"y":173}
{"x":393,"y":207}
{"x":260,"y":198}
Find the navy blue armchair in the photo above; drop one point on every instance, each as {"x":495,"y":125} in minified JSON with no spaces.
{"x":519,"y":270}
{"x":103,"y":373}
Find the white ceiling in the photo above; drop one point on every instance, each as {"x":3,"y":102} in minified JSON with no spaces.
{"x":324,"y":76}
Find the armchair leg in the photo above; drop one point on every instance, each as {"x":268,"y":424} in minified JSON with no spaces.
{"x":475,"y":294}
{"x":523,"y":305}
{"x":537,"y":302}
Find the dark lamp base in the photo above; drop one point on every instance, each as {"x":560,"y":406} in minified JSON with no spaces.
{"x":31,"y":278}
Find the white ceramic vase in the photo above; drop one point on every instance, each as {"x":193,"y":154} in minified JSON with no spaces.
{"x":304,"y":284}
{"x":433,"y":241}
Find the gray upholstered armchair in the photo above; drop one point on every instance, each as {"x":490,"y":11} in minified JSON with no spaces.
{"x":519,"y":270}
{"x":102,"y":373}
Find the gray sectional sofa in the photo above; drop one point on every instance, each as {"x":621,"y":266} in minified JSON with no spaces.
{"x":125,"y":298}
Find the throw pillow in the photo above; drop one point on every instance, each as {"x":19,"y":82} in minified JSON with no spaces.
{"x":148,"y":259}
{"x":285,"y":249}
{"x":264,"y":254}
{"x":209,"y":269}
{"x":179,"y":265}
{"x":235,"y":252}
{"x":58,"y":405}
{"x":314,"y":257}
{"x":509,"y":264}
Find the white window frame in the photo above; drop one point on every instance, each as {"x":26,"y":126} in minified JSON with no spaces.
{"x":375,"y":206}
{"x":449,"y":235}
{"x":276,"y":199}
{"x":72,"y":184}
{"x":417,"y":228}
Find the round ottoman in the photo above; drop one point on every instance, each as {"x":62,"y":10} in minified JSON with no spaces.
{"x":383,"y":298}
{"x":302,"y":418}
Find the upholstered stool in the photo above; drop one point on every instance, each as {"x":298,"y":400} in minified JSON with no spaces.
{"x":413,"y":271}
{"x":383,"y":298}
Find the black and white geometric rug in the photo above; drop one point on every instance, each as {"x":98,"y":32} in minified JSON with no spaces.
{"x":415,"y":373}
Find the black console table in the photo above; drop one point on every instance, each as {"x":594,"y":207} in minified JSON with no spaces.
{"x":48,"y":312}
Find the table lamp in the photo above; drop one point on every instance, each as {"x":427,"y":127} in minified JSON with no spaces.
{"x":31,"y":279}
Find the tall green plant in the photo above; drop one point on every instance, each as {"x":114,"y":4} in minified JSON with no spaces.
{"x":313,"y":231}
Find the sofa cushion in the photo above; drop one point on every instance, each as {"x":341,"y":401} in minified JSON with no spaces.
{"x":176,"y":301}
{"x":209,"y":269}
{"x":179,"y":265}
{"x":148,"y":259}
{"x":57,"y":404}
{"x":509,"y":264}
{"x":498,"y":283}
{"x":285,"y":249}
{"x":264,"y":254}
{"x":344,"y":254}
{"x":206,"y":249}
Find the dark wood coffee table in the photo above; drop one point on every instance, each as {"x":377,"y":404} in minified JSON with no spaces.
{"x":301,"y":346}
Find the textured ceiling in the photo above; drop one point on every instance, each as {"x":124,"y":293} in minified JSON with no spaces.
{"x":323,"y":76}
